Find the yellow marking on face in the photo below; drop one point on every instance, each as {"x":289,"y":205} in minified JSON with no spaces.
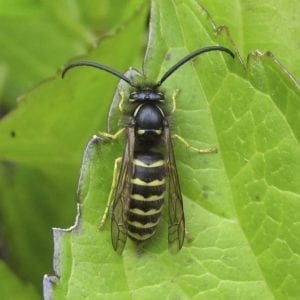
{"x":140,"y":225}
{"x":140,"y":163}
{"x":145,"y":213}
{"x":155,"y":182}
{"x":140,"y":237}
{"x":150,"y":198}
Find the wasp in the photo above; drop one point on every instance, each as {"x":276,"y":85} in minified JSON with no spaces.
{"x":147,"y":173}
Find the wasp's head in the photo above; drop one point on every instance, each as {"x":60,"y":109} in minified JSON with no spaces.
{"x":146,"y":94}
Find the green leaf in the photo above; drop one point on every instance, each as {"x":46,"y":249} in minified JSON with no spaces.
{"x":264,"y":25}
{"x":12,"y":288}
{"x":241,"y":205}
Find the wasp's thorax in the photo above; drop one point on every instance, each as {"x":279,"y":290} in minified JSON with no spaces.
{"x":148,"y":116}
{"x":149,"y":120}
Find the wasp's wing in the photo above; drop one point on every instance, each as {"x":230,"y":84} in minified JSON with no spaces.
{"x":176,"y":229}
{"x":122,"y":196}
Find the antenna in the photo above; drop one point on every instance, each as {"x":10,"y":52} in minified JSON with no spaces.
{"x":191,"y":56}
{"x":98,"y":66}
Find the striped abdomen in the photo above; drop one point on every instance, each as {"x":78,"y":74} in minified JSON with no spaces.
{"x":147,"y":196}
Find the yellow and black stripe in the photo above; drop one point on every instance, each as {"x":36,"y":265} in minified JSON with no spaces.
{"x":147,"y":196}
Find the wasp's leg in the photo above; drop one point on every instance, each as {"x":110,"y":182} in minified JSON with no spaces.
{"x":174,"y":95}
{"x":190,"y":147}
{"x":111,"y":193}
{"x":107,"y":137}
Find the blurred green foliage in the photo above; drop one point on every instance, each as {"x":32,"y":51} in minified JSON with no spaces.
{"x":37,"y":38}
